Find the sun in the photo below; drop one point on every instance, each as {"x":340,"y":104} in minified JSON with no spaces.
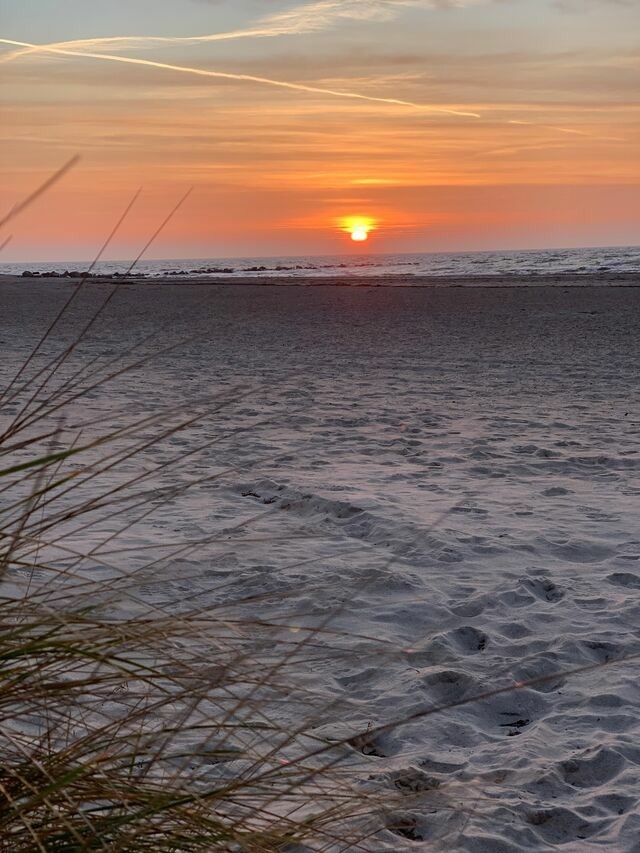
{"x":358,"y":227}
{"x":359,"y":235}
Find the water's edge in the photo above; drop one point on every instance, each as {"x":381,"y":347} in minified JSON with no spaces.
{"x":591,"y":261}
{"x":598,"y":279}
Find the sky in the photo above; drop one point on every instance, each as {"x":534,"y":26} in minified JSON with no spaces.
{"x":449,"y":125}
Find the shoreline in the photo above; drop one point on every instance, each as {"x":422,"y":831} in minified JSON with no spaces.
{"x":627,"y":279}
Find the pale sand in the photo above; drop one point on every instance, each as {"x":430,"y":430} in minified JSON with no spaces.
{"x":465,"y":466}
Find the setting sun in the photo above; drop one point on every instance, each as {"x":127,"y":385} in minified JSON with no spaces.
{"x":359,"y":227}
{"x":359,"y":234}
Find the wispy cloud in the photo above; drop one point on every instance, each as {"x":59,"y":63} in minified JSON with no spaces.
{"x":322,"y":14}
{"x":580,"y":5}
{"x":310,"y":17}
{"x":299,"y":20}
{"x":250,"y":78}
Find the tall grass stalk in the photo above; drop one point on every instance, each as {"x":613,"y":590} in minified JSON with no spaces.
{"x":126,"y":725}
{"x":131,"y":732}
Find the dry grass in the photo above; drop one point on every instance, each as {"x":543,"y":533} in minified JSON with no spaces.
{"x":152,"y":731}
{"x":124,"y":727}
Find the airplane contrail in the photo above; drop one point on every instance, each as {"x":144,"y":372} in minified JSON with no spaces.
{"x":250,"y":78}
{"x":307,"y":18}
{"x":135,"y":42}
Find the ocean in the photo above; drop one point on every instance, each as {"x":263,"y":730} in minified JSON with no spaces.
{"x":516,"y":263}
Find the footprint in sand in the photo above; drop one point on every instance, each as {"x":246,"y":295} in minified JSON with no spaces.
{"x":589,"y":772}
{"x":414,"y":781}
{"x":543,"y":588}
{"x":558,"y":825}
{"x":556,"y":491}
{"x":625,"y":579}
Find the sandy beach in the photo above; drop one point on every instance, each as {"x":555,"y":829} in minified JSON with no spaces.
{"x":447,"y":476}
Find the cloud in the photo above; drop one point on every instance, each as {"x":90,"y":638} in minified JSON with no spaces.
{"x":580,"y":5}
{"x":322,"y":14}
{"x":309,"y":17}
{"x":306,"y":18}
{"x":202,"y":72}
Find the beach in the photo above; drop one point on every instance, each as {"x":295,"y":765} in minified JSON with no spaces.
{"x":448,"y":476}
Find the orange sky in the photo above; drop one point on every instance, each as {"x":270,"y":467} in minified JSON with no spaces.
{"x":487,"y":125}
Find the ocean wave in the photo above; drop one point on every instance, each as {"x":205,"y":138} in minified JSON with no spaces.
{"x":523,"y":263}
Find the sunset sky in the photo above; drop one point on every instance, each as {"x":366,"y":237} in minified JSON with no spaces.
{"x":454,"y":125}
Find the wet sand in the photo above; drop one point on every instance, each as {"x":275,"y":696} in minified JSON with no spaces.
{"x":620,"y":279}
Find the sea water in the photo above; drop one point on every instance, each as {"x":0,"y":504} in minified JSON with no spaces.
{"x":512,"y":263}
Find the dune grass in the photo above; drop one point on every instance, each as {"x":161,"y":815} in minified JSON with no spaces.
{"x":123,"y":726}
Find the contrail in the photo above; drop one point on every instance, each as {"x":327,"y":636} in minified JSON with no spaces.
{"x":307,"y":18}
{"x":134,"y":42}
{"x":250,"y":78}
